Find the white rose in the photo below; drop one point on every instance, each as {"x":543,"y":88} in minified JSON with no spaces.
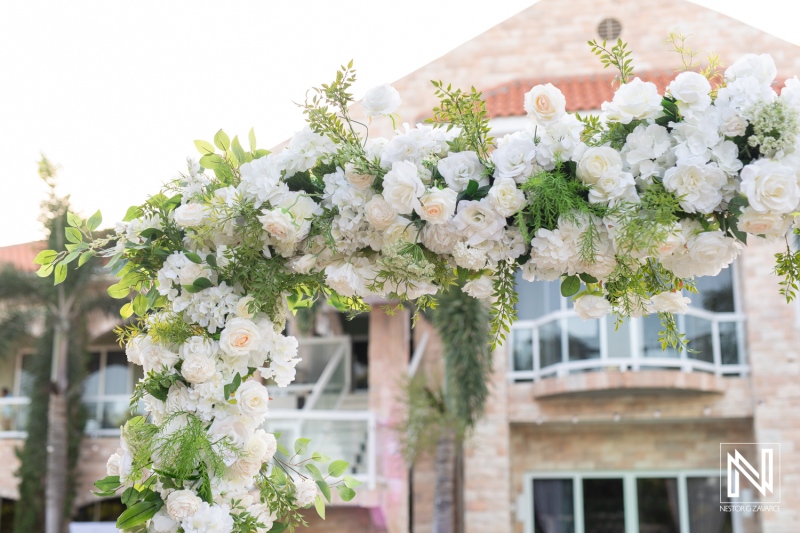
{"x":402,"y":187}
{"x":673,"y":242}
{"x":761,"y":67}
{"x":263,"y":515}
{"x":770,"y":186}
{"x":634,"y":100}
{"x":733,"y":124}
{"x":768,"y":224}
{"x":239,"y":337}
{"x":243,"y":307}
{"x":190,"y":215}
{"x":591,"y":306}
{"x":668,"y":302}
{"x":699,"y":186}
{"x":199,"y":345}
{"x":691,"y":90}
{"x":597,"y":162}
{"x":178,"y":398}
{"x":380,"y":214}
{"x":713,"y":249}
{"x":162,"y":523}
{"x":613,"y":187}
{"x":515,"y":159}
{"x":459,"y":168}
{"x":437,"y":205}
{"x":301,"y":206}
{"x":198,"y":368}
{"x":505,"y":197}
{"x":190,"y":272}
{"x":252,"y":399}
{"x":209,"y":519}
{"x":305,"y":491}
{"x":791,"y":92}
{"x":545,"y":104}
{"x":261,"y":446}
{"x":303,"y":264}
{"x":279,"y":224}
{"x":381,"y":100}
{"x":246,"y":467}
{"x":478,"y":222}
{"x":439,"y":238}
{"x":481,"y":288}
{"x":182,"y":504}
{"x":359,"y":181}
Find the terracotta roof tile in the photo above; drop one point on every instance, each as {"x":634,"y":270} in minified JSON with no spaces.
{"x":583,"y":93}
{"x":21,"y":256}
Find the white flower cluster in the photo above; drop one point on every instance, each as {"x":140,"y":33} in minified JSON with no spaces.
{"x":395,"y":217}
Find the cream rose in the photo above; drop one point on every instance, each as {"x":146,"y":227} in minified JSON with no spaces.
{"x":380,"y":213}
{"x":636,"y":99}
{"x":262,"y":513}
{"x":243,"y":307}
{"x":381,"y":100}
{"x":545,"y":104}
{"x":402,"y":187}
{"x":767,"y":224}
{"x":357,"y":180}
{"x":668,"y":302}
{"x":770,"y":186}
{"x":239,"y":337}
{"x":261,"y":446}
{"x":182,"y":504}
{"x":591,"y":306}
{"x":279,"y":224}
{"x":198,"y":368}
{"x":190,"y":215}
{"x":505,"y":197}
{"x":597,"y":162}
{"x":305,"y":491}
{"x":246,"y":467}
{"x":437,"y":205}
{"x":252,"y":399}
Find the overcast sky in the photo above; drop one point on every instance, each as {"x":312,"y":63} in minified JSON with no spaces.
{"x":115,"y":92}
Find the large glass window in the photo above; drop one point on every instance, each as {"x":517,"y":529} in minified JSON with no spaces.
{"x":107,"y":389}
{"x":627,"y":502}
{"x":549,"y":339}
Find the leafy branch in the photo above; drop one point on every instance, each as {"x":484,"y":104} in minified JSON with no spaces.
{"x":617,"y":57}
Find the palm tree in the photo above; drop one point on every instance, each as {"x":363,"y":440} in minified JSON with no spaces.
{"x":440,"y":415}
{"x":63,"y":310}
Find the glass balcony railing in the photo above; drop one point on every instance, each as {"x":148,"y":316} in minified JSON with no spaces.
{"x":560,"y":343}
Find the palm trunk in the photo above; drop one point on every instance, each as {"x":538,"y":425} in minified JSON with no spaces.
{"x":444,"y":504}
{"x":57,"y":427}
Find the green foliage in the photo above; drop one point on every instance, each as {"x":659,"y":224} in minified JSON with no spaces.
{"x":504,"y":310}
{"x":787,"y":265}
{"x":554,"y":194}
{"x":465,"y":110}
{"x":642,"y":227}
{"x":618,"y":57}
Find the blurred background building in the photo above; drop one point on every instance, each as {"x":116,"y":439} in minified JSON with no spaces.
{"x":590,"y":428}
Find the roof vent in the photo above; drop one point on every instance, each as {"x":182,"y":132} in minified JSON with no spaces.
{"x":609,"y":29}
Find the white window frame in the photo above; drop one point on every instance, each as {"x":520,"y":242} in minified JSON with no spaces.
{"x":635,"y":361}
{"x":630,"y":501}
{"x":100,"y":398}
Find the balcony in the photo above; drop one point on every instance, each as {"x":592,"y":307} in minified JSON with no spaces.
{"x":13,"y":417}
{"x":550,"y":340}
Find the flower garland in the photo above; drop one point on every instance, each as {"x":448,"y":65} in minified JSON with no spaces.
{"x":625,"y":209}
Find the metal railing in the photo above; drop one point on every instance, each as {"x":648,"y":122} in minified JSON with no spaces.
{"x":560,"y":343}
{"x":347,"y":435}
